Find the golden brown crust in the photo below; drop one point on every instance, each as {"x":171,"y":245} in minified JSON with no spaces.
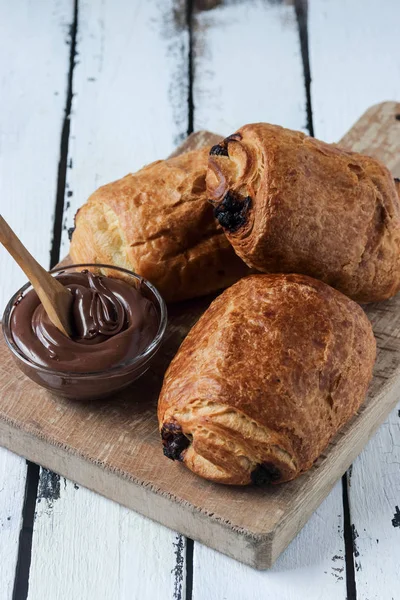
{"x":158,"y":223}
{"x":265,"y":379}
{"x":300,"y":205}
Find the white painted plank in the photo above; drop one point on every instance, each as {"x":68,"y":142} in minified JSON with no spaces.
{"x":374,"y":495}
{"x":248,"y":68}
{"x":130,"y":92}
{"x":34,"y":61}
{"x":90,"y":548}
{"x":312,"y":568}
{"x":354,"y":58}
{"x":33,"y":70}
{"x":129,"y":108}
{"x":12,"y":487}
{"x":355,"y":62}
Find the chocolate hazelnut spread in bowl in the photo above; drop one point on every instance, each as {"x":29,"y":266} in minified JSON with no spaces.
{"x":118,"y":323}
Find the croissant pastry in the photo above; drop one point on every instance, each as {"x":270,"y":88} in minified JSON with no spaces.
{"x":291,"y":204}
{"x":158,"y":223}
{"x":265,"y":379}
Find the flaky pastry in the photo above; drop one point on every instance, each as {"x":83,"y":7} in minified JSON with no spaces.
{"x":265,"y":379}
{"x":292,"y":204}
{"x":158,"y":223}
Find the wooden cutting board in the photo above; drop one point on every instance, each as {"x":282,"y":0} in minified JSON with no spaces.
{"x":113,"y":447}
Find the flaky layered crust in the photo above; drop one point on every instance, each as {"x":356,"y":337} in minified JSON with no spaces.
{"x":290,"y":203}
{"x":158,"y":223}
{"x":265,"y":379}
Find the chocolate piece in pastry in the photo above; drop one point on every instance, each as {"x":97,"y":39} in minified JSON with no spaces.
{"x":158,"y":223}
{"x":265,"y":379}
{"x":291,"y":204}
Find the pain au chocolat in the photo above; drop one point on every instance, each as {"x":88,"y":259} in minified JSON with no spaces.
{"x":265,"y":379}
{"x":292,"y":204}
{"x":158,"y":223}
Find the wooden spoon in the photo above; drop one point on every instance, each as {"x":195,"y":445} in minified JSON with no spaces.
{"x":56,"y":298}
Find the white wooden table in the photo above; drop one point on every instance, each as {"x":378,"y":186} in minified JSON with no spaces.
{"x":93,"y":90}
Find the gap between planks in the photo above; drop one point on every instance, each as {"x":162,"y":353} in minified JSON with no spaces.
{"x":21,"y":581}
{"x":302,"y":21}
{"x":64,"y":143}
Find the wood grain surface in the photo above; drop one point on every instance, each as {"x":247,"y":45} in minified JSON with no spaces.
{"x":113,"y":446}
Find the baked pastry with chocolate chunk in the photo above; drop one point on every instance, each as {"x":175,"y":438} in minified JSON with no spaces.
{"x":158,"y":223}
{"x":265,"y":379}
{"x":289,"y":203}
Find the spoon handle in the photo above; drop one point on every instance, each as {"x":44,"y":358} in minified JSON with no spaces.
{"x":56,"y":299}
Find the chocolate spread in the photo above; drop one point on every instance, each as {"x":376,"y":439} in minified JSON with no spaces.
{"x":112,"y":324}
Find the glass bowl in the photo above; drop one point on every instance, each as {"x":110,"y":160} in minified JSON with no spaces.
{"x":98,"y":384}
